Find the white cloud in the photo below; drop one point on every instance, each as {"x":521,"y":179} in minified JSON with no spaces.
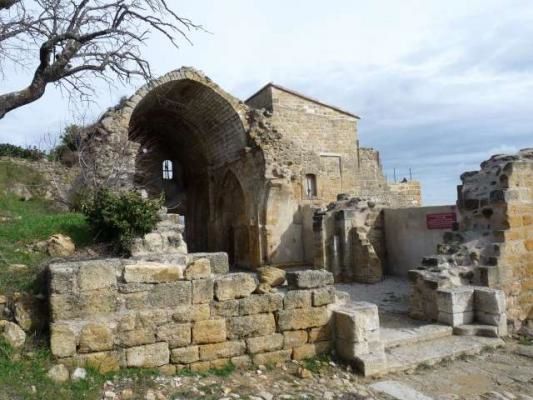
{"x":439,"y":85}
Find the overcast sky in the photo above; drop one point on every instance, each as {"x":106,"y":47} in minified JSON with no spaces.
{"x":439,"y":85}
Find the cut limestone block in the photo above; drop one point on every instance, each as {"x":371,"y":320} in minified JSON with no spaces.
{"x":456,"y":319}
{"x":489,"y":300}
{"x":356,"y":321}
{"x":219,"y":261}
{"x":456,"y":300}
{"x":235,"y":286}
{"x":309,"y":279}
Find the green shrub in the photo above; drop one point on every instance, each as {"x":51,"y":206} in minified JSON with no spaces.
{"x":69,"y":143}
{"x":29,"y":153}
{"x":118,"y":218}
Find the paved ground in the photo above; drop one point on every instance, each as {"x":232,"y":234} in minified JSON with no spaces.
{"x":391,"y":294}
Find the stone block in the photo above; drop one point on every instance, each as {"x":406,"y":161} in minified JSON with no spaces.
{"x":64,"y":278}
{"x":235,"y":286}
{"x":320,"y":334}
{"x":294,"y":339}
{"x":219,"y":261}
{"x":95,"y":337}
{"x":309,"y":279}
{"x":373,"y":363}
{"x":263,"y":344}
{"x":455,"y":300}
{"x":271,"y":276}
{"x":175,"y":334}
{"x":198,"y":269}
{"x":310,"y":350}
{"x":185,"y":355}
{"x":499,"y":320}
{"x":152,"y":272}
{"x":200,"y":366}
{"x":202,"y":291}
{"x":242,"y":361}
{"x":219,"y":364}
{"x":62,"y":340}
{"x":138,"y":337}
{"x":150,"y":318}
{"x":354,"y":320}
{"x":149,"y":356}
{"x":297,"y":299}
{"x":323,"y":296}
{"x":215,"y":351}
{"x":348,"y":350}
{"x":261,"y":303}
{"x":304,"y":318}
{"x":196,"y":312}
{"x":209,"y":331}
{"x":251,"y":325}
{"x":135,"y":301}
{"x":104,"y":362}
{"x":97,"y":274}
{"x":272,"y":358}
{"x":85,"y":305}
{"x":169,"y":295}
{"x":456,"y":319}
{"x":228,"y":308}
{"x":489,"y":300}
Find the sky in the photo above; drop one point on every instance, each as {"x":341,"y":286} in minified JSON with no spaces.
{"x":439,"y":85}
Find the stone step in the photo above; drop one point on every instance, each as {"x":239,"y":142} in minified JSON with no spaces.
{"x":394,"y":337}
{"x":433,"y":351}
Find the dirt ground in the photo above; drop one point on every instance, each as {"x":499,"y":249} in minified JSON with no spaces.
{"x":507,"y":371}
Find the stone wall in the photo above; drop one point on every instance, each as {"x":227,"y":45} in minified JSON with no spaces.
{"x":350,"y":240}
{"x":130,"y":313}
{"x":492,"y":245}
{"x":373,"y":183}
{"x":57,"y":179}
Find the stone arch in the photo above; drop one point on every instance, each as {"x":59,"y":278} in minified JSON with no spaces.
{"x":185,"y":118}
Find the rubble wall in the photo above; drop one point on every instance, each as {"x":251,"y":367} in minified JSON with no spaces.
{"x":125,"y":313}
{"x":493,"y":243}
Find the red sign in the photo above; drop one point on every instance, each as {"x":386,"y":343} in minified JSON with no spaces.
{"x":441,"y":220}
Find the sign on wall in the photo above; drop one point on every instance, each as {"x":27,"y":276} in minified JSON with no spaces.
{"x":441,"y":220}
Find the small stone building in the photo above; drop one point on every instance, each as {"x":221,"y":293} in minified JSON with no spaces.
{"x":246,"y":176}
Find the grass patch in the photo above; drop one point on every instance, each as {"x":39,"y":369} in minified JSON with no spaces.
{"x":315,"y":364}
{"x":25,"y":222}
{"x":526,"y":341}
{"x":23,"y":376}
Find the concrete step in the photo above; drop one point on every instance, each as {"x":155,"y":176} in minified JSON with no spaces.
{"x":401,"y":336}
{"x":433,"y":351}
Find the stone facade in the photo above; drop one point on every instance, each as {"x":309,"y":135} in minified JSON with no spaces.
{"x":134,"y":313}
{"x":492,"y":245}
{"x":247,"y":176}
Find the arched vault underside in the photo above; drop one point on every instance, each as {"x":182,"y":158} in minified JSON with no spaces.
{"x":217,"y":180}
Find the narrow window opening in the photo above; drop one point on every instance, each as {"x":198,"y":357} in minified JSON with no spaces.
{"x":168,"y":172}
{"x":310,"y":185}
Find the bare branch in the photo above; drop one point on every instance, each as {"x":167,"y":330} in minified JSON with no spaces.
{"x":79,"y":40}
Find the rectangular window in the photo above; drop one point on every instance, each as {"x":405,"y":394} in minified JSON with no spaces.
{"x":168,"y":172}
{"x":310,"y":186}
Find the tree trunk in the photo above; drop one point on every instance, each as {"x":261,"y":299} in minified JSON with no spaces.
{"x":12,"y":100}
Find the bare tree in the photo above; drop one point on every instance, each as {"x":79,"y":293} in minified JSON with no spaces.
{"x":76,"y":40}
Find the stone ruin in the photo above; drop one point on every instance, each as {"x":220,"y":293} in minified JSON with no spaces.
{"x":279,"y":180}
{"x":246,"y":176}
{"x":492,"y":246}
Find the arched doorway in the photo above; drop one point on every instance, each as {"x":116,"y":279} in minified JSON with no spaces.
{"x":194,"y":128}
{"x":231,"y":221}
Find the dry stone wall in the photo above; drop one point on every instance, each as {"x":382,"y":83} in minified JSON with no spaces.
{"x":131,"y":313}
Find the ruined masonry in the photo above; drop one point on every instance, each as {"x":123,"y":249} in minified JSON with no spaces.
{"x":246,"y":176}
